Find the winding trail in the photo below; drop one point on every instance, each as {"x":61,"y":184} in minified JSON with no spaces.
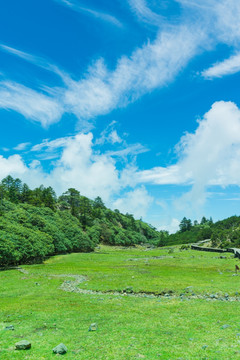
{"x":73,"y":287}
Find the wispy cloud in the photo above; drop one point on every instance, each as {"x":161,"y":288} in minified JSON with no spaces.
{"x":144,"y":13}
{"x":91,"y":12}
{"x":101,"y":90}
{"x":131,"y":150}
{"x":33,"y":105}
{"x":33,"y":59}
{"x":22,"y":146}
{"x":226,"y":67}
{"x":109,"y":135}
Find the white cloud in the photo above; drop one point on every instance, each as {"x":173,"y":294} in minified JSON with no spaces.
{"x":36,"y":60}
{"x":95,"y":13}
{"x":209,"y":156}
{"x":49,"y":145}
{"x":114,"y":137}
{"x":77,"y":166}
{"x":22,"y":146}
{"x":101,"y":90}
{"x":226,"y":67}
{"x":163,"y":175}
{"x":13,"y":165}
{"x":135,"y":202}
{"x":144,"y":13}
{"x":131,"y":150}
{"x":31,"y":104}
{"x":172,"y":225}
{"x":227,"y":24}
{"x":150,"y":67}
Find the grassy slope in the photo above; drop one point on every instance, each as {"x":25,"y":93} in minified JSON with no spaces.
{"x":129,"y":327}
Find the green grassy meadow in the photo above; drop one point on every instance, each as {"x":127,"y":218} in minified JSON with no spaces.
{"x":181,"y":326}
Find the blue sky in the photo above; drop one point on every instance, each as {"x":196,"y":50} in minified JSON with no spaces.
{"x":136,"y":101}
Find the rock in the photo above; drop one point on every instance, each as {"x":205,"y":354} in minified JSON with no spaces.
{"x":93,"y":327}
{"x":128,"y":289}
{"x":23,"y":345}
{"x":10,"y":327}
{"x":204,"y":347}
{"x":225,"y":326}
{"x":60,"y":349}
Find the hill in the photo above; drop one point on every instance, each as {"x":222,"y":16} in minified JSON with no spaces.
{"x":35,"y":224}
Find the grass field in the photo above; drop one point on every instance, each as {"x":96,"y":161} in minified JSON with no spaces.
{"x":196,"y":315}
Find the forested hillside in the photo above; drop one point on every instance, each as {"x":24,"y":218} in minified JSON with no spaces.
{"x":35,"y":224}
{"x":223,"y":234}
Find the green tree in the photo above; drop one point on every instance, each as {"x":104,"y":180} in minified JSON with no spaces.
{"x":185,"y":225}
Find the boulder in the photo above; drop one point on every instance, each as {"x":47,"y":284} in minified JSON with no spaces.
{"x":23,"y":345}
{"x":60,"y":349}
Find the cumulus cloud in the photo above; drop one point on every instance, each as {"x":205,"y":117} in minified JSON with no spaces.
{"x":77,"y":165}
{"x":13,"y":165}
{"x":135,"y":202}
{"x":207,"y":157}
{"x":171,"y":225}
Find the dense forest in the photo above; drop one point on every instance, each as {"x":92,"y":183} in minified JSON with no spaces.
{"x":36,"y":223}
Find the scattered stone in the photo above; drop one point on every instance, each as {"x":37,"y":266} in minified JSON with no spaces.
{"x":36,"y":283}
{"x":60,"y":349}
{"x":226,"y":295}
{"x":128,"y":289}
{"x":93,"y":327}
{"x":23,"y":345}
{"x":10,"y":327}
{"x":225,"y":326}
{"x":204,"y":347}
